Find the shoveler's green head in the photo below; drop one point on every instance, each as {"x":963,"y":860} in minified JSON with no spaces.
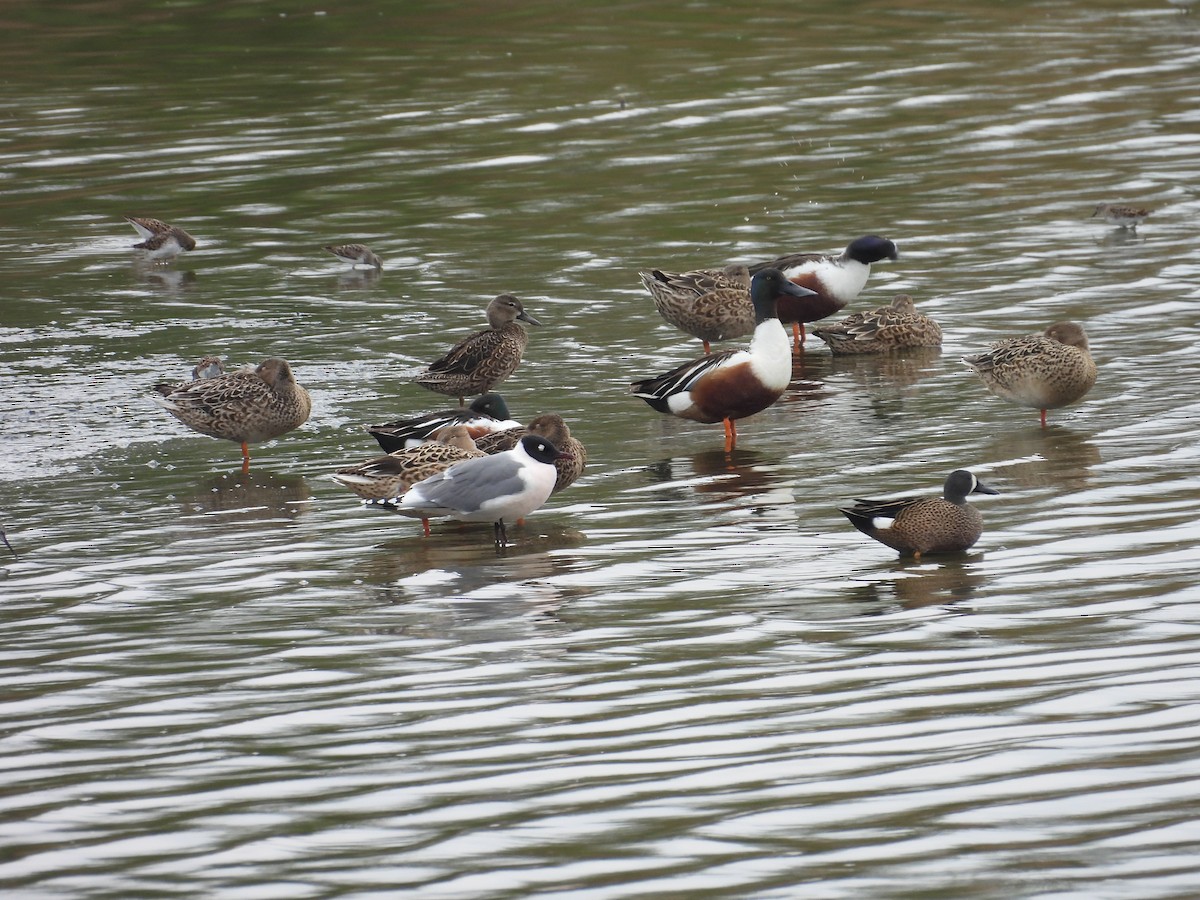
{"x":870,"y":248}
{"x":767,"y":286}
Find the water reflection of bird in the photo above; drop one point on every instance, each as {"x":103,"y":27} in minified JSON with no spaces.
{"x":485,"y":414}
{"x":897,"y":326}
{"x":256,"y":496}
{"x":356,"y":255}
{"x":1055,"y":458}
{"x":481,"y":361}
{"x":834,"y":279}
{"x":917,"y":525}
{"x":1042,"y":371}
{"x":914,"y":585}
{"x":162,"y":242}
{"x":733,"y":384}
{"x":243,"y":407}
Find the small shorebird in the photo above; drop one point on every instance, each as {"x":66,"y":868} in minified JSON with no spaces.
{"x":160,"y":241}
{"x":356,"y":255}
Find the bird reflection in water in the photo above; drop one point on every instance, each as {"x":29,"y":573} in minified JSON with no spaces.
{"x":948,"y":581}
{"x":741,"y":473}
{"x":350,"y":279}
{"x":1054,"y":457}
{"x":164,"y":278}
{"x":252,"y":496}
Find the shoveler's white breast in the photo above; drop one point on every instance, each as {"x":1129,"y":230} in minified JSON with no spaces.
{"x":839,"y":280}
{"x":770,"y":355}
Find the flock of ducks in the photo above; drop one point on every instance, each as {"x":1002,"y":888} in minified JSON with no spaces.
{"x":476,"y":464}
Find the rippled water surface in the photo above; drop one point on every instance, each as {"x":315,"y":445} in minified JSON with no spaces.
{"x":688,"y":676}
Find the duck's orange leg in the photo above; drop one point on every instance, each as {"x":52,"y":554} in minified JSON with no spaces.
{"x":425,"y":525}
{"x":797,"y":336}
{"x":1043,"y":418}
{"x":707,"y":348}
{"x":730,"y":435}
{"x":245,"y":457}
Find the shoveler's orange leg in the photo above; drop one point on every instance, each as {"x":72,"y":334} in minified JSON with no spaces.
{"x":425,"y":525}
{"x":707,"y":348}
{"x":1043,"y":418}
{"x":245,"y":457}
{"x":730,"y":435}
{"x":797,"y":336}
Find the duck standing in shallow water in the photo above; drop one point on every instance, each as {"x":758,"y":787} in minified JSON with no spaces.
{"x":1043,"y":371}
{"x":387,"y":477}
{"x":484,"y":415}
{"x":897,"y":326}
{"x":160,"y":240}
{"x":732,"y":384}
{"x":507,"y":486}
{"x":917,"y":525}
{"x":553,"y":427}
{"x":478,"y":363}
{"x":710,"y":304}
{"x":835,"y":280}
{"x":244,"y":407}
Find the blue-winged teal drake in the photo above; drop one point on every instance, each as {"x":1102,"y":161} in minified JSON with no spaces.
{"x":160,"y":240}
{"x":710,"y":304}
{"x":834,"y":279}
{"x":478,"y":363}
{"x":244,"y":407}
{"x":897,"y":326}
{"x":917,"y":525}
{"x":387,"y":477}
{"x":355,"y":254}
{"x":732,"y":384}
{"x":1042,"y":371}
{"x":484,"y":415}
{"x":506,"y":486}
{"x":1120,"y":215}
{"x":555,"y":429}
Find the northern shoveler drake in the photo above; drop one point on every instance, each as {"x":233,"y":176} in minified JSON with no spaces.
{"x":485,"y":415}
{"x":555,"y":429}
{"x":244,"y":407}
{"x":917,"y":525}
{"x":1043,"y":371}
{"x":508,"y":485}
{"x":355,"y":254}
{"x":732,"y":384}
{"x":387,"y":477}
{"x":478,"y":363}
{"x":160,"y":240}
{"x":1120,"y":215}
{"x":836,"y":280}
{"x":711,"y":304}
{"x":897,"y":326}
